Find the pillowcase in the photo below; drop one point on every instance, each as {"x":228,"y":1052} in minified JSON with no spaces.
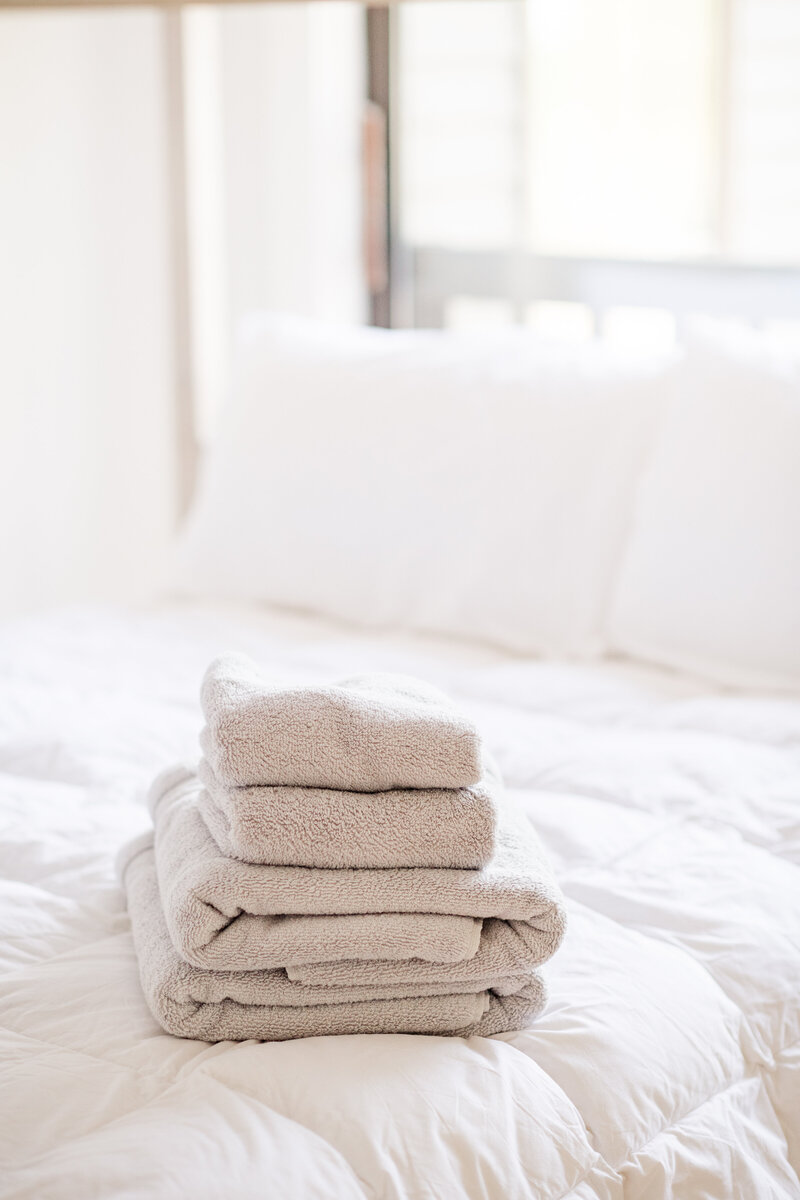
{"x":711,"y":578}
{"x":427,"y":480}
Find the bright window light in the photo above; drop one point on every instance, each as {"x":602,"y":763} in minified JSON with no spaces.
{"x":661,"y":130}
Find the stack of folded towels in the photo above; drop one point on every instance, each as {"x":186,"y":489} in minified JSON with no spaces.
{"x":342,"y":861}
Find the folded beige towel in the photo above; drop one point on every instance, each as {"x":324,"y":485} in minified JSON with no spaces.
{"x":506,"y":952}
{"x":367,"y":734}
{"x":222,"y":913}
{"x":236,"y":1005}
{"x":321,"y":827}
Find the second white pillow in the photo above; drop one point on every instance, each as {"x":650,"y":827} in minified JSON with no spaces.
{"x":711,"y":577}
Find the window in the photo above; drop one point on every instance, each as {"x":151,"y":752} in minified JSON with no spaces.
{"x":610,"y":154}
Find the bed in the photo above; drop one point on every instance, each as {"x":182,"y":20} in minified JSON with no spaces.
{"x":667,"y":1062}
{"x":554,"y":521}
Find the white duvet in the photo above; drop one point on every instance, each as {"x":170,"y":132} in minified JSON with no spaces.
{"x":667,"y":1062}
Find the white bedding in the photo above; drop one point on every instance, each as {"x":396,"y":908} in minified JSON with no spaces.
{"x":666,"y":1064}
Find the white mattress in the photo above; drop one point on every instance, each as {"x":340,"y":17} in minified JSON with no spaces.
{"x":666,"y":1064}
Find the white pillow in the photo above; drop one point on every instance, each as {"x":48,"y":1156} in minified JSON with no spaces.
{"x":711,"y":577}
{"x":425,"y":480}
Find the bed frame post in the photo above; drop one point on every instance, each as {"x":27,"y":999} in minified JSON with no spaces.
{"x":185,"y":426}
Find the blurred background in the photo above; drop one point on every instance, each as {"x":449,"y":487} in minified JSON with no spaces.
{"x":579,"y":167}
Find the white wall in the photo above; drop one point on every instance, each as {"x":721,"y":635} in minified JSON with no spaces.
{"x":87,"y":480}
{"x":275,"y":96}
{"x":292,"y":90}
{"x":86,"y":489}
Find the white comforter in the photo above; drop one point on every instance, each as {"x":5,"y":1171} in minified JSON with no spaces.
{"x":666,"y":1064}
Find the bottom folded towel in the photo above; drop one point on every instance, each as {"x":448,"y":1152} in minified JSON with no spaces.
{"x":266,"y":1005}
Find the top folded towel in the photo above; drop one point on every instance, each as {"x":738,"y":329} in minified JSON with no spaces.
{"x":371,"y":733}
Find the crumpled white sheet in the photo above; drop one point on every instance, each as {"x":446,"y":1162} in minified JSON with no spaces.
{"x":667,"y":1063}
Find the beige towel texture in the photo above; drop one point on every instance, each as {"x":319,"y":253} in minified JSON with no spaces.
{"x":323,"y":827}
{"x":236,"y":1005}
{"x":370,"y":733}
{"x":222,"y":913}
{"x":506,"y":952}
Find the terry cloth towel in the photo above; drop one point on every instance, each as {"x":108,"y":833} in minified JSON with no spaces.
{"x":236,"y":1005}
{"x":506,"y":952}
{"x":367,"y":734}
{"x":228,"y":915}
{"x":322,"y":827}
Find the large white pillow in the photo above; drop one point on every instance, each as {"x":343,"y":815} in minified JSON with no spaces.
{"x":426,"y":480}
{"x":711,"y":577}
